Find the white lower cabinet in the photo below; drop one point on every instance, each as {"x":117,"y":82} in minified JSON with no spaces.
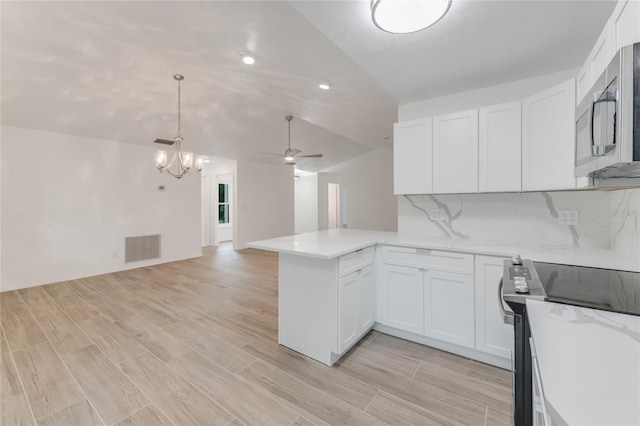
{"x":493,"y":336}
{"x":454,"y":305}
{"x":402,"y":298}
{"x":448,"y":307}
{"x":355,"y":306}
{"x":365,"y":300}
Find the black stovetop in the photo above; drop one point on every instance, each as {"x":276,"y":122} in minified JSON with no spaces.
{"x":607,"y":289}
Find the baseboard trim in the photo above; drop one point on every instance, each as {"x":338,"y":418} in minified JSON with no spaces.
{"x":447,"y":347}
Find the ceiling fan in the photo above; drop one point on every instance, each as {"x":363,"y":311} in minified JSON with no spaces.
{"x":290,"y":154}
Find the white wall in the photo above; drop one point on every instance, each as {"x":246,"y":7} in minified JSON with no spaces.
{"x":370,"y":201}
{"x":264,"y":202}
{"x":68,"y":202}
{"x":493,"y":95}
{"x":306,"y":202}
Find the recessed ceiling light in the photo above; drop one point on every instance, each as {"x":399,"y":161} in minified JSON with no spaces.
{"x":324,"y":85}
{"x":248,"y":59}
{"x":402,"y":16}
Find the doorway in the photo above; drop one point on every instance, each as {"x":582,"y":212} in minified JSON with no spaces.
{"x":223,"y":210}
{"x":337,"y":206}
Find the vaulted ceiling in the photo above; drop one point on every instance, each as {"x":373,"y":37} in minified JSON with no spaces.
{"x":103,"y":69}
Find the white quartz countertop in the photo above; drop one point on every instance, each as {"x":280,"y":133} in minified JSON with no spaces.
{"x":332,"y":243}
{"x":326,"y":244}
{"x":589,"y":363}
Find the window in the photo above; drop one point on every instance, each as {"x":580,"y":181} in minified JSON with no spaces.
{"x":223,"y":204}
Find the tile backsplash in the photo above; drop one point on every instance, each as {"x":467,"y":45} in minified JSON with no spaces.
{"x":606,"y":219}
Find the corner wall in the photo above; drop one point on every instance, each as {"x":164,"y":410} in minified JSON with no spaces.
{"x":68,"y":202}
{"x":368,"y":179}
{"x":306,"y":202}
{"x":264,"y":202}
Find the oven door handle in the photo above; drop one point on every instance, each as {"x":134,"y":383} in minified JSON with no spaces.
{"x":507,"y":316}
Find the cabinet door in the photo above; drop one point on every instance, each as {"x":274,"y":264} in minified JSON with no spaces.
{"x":624,"y":22}
{"x":448,"y":307}
{"x":499,"y":152}
{"x":455,"y":152}
{"x":412,"y":152}
{"x":364,"y":300}
{"x":493,"y":336}
{"x":584,"y":81}
{"x":602,"y":53}
{"x":548,"y":129}
{"x":347,"y":299}
{"x":402,"y":296}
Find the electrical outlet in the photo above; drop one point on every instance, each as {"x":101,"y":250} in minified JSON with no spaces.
{"x":437,"y":215}
{"x":569,"y":217}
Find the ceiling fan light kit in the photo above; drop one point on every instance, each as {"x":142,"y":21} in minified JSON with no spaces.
{"x":290,"y":153}
{"x":407,"y":16}
{"x":186,"y":160}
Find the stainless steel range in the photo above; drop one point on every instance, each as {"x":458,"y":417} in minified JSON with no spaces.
{"x":605,"y":289}
{"x":519,"y":282}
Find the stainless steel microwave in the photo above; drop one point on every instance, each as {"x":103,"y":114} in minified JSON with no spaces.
{"x":608,"y":121}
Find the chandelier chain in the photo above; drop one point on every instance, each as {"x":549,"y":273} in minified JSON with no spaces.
{"x":179,"y":107}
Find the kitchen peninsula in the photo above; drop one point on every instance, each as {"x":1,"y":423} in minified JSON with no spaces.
{"x":335,"y":285}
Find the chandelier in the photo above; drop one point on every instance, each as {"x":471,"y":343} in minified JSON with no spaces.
{"x":186,"y":161}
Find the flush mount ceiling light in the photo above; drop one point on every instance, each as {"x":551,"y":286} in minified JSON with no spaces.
{"x":185,"y":159}
{"x":247,"y":59}
{"x":324,"y":85}
{"x":407,"y":16}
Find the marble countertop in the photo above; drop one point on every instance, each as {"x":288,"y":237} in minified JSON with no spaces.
{"x":332,"y":243}
{"x":589,"y":363}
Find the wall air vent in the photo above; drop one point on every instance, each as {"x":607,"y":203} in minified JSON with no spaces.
{"x":141,"y":248}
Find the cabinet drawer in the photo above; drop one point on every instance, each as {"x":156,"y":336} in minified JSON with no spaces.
{"x":428,"y":259}
{"x":353,"y":261}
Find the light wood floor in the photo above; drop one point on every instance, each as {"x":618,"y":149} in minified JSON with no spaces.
{"x":195,"y":343}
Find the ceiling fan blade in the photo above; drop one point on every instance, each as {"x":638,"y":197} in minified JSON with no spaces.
{"x":271,"y":153}
{"x":164,"y":141}
{"x":310,"y":156}
{"x":296,"y":151}
{"x":290,"y":163}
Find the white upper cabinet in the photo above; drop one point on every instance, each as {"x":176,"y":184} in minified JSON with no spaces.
{"x":412,"y":151}
{"x":455,"y":152}
{"x":548,"y":139}
{"x":625,"y":24}
{"x":602,"y":53}
{"x":622,"y":29}
{"x":584,"y":80}
{"x":500,"y":142}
